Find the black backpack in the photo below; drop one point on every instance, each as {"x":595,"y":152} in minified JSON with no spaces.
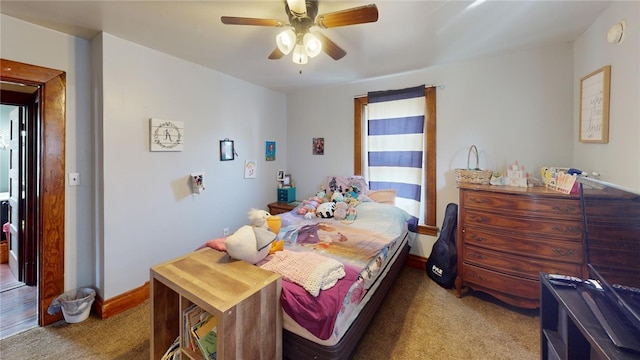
{"x":442,"y":265}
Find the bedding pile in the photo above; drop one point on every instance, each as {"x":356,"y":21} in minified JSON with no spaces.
{"x":311,"y":271}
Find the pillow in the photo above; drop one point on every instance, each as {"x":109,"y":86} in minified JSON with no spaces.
{"x":343,"y":182}
{"x":377,"y":211}
{"x":383,"y":196}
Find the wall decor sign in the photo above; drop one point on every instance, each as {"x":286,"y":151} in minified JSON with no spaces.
{"x":270,"y":151}
{"x":166,"y":135}
{"x":227,"y":151}
{"x":594,"y":106}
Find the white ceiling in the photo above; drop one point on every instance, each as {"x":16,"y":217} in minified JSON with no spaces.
{"x":408,"y":35}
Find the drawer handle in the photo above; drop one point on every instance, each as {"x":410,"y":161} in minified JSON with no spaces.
{"x":480,"y":219}
{"x":567,"y":209}
{"x":479,"y":200}
{"x":569,"y":229}
{"x":478,"y":256}
{"x":564,"y":252}
{"x":478,"y":238}
{"x":474,"y":275}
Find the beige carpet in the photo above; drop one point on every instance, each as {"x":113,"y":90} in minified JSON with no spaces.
{"x":417,"y":320}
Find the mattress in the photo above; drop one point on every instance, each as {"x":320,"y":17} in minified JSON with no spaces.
{"x":365,"y":247}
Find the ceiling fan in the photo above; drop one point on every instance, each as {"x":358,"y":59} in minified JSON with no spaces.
{"x":303,"y":15}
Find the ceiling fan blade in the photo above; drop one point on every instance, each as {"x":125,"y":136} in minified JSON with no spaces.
{"x":329,"y":47}
{"x":233,"y":20}
{"x":276,"y":54}
{"x":353,"y":16}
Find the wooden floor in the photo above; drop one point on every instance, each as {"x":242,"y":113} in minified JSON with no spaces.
{"x":18,"y":310}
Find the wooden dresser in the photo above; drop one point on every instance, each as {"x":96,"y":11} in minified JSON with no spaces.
{"x":508,"y":235}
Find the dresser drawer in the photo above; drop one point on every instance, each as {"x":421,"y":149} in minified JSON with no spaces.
{"x":509,"y":224}
{"x":546,"y":248}
{"x":517,"y":265}
{"x":567,"y":208}
{"x":491,"y":280}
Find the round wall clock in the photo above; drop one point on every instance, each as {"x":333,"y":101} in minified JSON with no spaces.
{"x":166,"y":135}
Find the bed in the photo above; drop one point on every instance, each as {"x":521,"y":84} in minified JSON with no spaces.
{"x":335,"y":276}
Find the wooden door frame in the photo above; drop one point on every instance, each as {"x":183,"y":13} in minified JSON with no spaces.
{"x":50,"y":237}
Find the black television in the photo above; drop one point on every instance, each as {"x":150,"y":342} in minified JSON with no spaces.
{"x":611,"y":216}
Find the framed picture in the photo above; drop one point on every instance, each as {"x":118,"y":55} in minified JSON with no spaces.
{"x":286,"y":180}
{"x":270,"y":151}
{"x":318,"y":146}
{"x":594,"y":106}
{"x":227,"y":151}
{"x":280,"y":175}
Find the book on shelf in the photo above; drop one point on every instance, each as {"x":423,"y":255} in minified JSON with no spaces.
{"x":206,"y":336}
{"x":173,"y":352}
{"x":192,"y":315}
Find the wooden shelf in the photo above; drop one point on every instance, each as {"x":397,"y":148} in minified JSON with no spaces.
{"x":244,"y":298}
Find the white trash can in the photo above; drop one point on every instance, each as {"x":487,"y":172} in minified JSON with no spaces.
{"x":75,"y":304}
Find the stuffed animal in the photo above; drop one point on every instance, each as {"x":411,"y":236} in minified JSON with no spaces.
{"x":325,"y":210}
{"x":337,"y":197}
{"x":340,"y":212}
{"x":251,"y":243}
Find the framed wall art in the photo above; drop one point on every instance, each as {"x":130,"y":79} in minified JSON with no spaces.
{"x":227,"y":151}
{"x":280,"y":175}
{"x":270,"y":151}
{"x":318,"y":146}
{"x":166,"y":135}
{"x":594,"y":106}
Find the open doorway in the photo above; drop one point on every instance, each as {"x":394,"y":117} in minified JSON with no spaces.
{"x":44,"y":203}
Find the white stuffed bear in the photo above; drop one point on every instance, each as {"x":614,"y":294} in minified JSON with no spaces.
{"x":251,"y":243}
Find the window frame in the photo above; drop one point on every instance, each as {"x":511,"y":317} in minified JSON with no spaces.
{"x":429,"y":226}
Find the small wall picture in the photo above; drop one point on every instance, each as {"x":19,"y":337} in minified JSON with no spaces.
{"x":227,"y":151}
{"x":249,"y":169}
{"x":280,"y":175}
{"x":318,"y":146}
{"x":270,"y":151}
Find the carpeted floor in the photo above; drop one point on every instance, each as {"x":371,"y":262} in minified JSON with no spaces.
{"x":417,"y":320}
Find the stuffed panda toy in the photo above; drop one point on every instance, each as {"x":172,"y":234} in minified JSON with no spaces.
{"x":325,"y":210}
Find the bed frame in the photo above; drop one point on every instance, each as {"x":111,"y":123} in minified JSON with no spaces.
{"x":295,"y":347}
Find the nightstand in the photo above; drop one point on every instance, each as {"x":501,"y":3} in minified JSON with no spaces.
{"x":276,"y":208}
{"x":243,"y":298}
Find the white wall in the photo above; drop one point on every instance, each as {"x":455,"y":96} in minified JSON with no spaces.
{"x":27,"y":43}
{"x":133,"y":208}
{"x":617,"y":161}
{"x":512,"y":107}
{"x":150,"y":215}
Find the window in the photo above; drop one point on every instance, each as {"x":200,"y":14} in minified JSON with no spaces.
{"x":427,"y":221}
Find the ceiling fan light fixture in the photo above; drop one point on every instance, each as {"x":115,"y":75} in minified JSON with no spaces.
{"x":299,"y":55}
{"x":312,"y":45}
{"x":286,"y":41}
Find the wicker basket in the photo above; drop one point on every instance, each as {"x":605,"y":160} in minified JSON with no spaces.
{"x":473,"y":176}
